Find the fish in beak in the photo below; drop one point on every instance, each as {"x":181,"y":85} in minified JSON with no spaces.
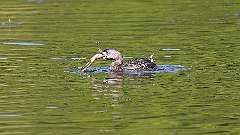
{"x":96,"y":56}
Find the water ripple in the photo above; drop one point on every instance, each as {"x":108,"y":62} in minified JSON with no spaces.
{"x":22,"y":43}
{"x":4,"y":114}
{"x":170,"y":49}
{"x":157,"y":69}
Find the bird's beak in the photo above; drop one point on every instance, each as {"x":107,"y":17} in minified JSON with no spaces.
{"x":96,"y":56}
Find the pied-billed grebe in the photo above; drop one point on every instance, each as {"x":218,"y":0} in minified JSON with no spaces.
{"x":118,"y":64}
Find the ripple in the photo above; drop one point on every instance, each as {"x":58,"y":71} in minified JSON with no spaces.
{"x":36,"y":1}
{"x":5,"y":114}
{"x":77,"y":58}
{"x":157,"y":69}
{"x":170,"y":49}
{"x":22,"y":43}
{"x":233,"y":14}
{"x":56,"y":58}
{"x":51,"y":107}
{"x":127,"y":57}
{"x":9,"y":23}
{"x":167,"y":56}
{"x":68,"y":58}
{"x":3,"y":85}
{"x":3,"y":58}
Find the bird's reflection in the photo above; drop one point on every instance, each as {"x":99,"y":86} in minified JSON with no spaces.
{"x":115,"y":80}
{"x":111,"y":87}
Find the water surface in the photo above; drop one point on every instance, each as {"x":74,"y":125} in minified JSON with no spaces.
{"x":38,"y":96}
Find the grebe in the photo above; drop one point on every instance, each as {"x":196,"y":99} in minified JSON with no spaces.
{"x":118,"y":65}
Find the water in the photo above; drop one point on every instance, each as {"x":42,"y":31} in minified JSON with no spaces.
{"x":21,"y":43}
{"x":130,"y":73}
{"x":39,"y":96}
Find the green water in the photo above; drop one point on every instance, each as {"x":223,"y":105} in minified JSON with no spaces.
{"x":38,"y":96}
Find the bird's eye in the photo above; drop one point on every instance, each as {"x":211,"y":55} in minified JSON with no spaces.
{"x":104,"y":55}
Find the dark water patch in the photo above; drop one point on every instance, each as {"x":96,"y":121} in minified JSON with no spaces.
{"x":217,"y":132}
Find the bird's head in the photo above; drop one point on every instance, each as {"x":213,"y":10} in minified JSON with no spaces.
{"x":108,"y":54}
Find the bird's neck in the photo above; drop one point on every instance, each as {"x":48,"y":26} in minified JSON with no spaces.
{"x":117,"y":64}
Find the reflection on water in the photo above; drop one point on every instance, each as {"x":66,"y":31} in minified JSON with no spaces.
{"x":37,"y":1}
{"x":157,"y":69}
{"x":2,"y":114}
{"x":170,"y":49}
{"x":42,"y":39}
{"x":22,"y":43}
{"x":74,"y":58}
{"x":110,"y":87}
{"x":9,"y":24}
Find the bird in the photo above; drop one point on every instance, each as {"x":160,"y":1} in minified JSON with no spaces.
{"x":118,"y":64}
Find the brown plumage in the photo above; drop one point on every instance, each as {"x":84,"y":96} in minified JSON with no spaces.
{"x":119,"y":64}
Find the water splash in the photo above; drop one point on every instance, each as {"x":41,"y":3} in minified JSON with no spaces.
{"x":158,"y":69}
